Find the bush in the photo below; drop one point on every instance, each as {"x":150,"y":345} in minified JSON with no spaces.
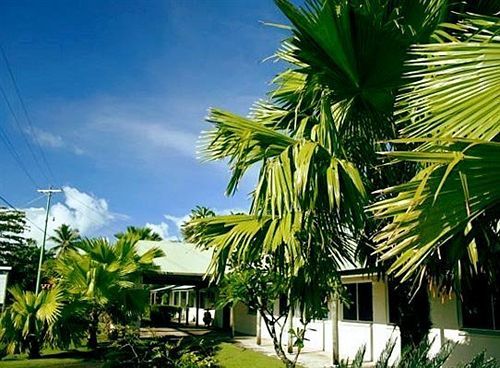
{"x":419,"y":357}
{"x":130,"y":351}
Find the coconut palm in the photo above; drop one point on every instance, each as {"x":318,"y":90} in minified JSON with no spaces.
{"x":444,"y":221}
{"x":25,"y":323}
{"x":106,"y":277}
{"x":141,"y":233}
{"x":64,"y":239}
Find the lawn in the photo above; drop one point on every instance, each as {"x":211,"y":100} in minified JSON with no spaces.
{"x":234,"y":356}
{"x":228,"y":355}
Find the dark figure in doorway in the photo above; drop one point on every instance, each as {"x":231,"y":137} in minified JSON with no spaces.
{"x":207,"y":318}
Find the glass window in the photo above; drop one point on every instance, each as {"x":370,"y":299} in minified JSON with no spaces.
{"x":361,"y":302}
{"x":480,"y":307}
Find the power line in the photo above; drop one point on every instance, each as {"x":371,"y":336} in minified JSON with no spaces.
{"x":12,"y":150}
{"x":26,"y":140}
{"x":25,"y":110}
{"x":15,"y":209}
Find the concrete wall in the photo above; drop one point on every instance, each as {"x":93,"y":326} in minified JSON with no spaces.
{"x":446,"y":326}
{"x":352,"y":334}
{"x":373,"y":335}
{"x":245,"y":322}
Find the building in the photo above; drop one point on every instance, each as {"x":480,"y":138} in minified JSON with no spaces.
{"x":473,"y":323}
{"x":180,"y":280}
{"x":4,"y":274}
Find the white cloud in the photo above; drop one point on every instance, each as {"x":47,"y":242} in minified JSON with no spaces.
{"x":51,"y":140}
{"x":80,"y":210}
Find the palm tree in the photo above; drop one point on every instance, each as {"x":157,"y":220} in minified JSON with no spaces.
{"x":106,"y":277}
{"x":25,"y":323}
{"x":140,"y":233}
{"x":444,"y":221}
{"x":317,"y":135}
{"x":64,"y":239}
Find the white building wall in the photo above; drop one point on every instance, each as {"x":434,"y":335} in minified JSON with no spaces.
{"x":245,"y":322}
{"x":446,"y":326}
{"x":352,"y":335}
{"x":373,"y":335}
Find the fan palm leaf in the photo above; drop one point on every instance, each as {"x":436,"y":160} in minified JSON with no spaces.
{"x":451,"y":114}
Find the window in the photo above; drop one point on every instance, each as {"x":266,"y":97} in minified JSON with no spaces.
{"x":480,"y":306}
{"x":361,"y":302}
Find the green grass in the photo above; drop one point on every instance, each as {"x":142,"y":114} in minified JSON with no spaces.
{"x":234,"y":356}
{"x":50,"y":362}
{"x":228,"y":354}
{"x":52,"y":358}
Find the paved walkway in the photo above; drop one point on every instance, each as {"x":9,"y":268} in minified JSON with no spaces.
{"x":307,"y":359}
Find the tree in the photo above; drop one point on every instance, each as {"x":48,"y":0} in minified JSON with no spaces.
{"x":444,"y":221}
{"x":139,"y":233}
{"x":106,"y":277}
{"x":315,"y":139}
{"x":17,"y":252}
{"x":64,"y":238}
{"x":25,"y":323}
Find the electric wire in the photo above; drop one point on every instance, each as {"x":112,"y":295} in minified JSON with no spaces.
{"x":21,"y":131}
{"x":25,"y":110}
{"x":12,"y":150}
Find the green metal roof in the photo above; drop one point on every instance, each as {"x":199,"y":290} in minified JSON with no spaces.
{"x":180,"y":258}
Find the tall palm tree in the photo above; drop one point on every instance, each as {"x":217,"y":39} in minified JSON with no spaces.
{"x":140,"y":233}
{"x":316,"y":136}
{"x":64,"y":239}
{"x":444,"y":221}
{"x":106,"y":277}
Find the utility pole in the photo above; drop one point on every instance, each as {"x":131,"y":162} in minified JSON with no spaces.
{"x":48,"y":193}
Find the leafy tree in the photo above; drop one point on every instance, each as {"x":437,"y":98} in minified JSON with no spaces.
{"x":258,"y":286}
{"x":17,"y":252}
{"x":65,"y":238}
{"x":139,"y":233}
{"x":106,"y":278}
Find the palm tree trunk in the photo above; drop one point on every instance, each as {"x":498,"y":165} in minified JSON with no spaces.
{"x":93,"y":327}
{"x":33,"y":346}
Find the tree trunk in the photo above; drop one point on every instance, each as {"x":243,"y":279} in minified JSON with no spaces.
{"x":93,"y":327}
{"x":33,"y":347}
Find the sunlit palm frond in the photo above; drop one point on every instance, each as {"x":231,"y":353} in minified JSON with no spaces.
{"x":457,"y":185}
{"x":242,"y":141}
{"x":457,"y":86}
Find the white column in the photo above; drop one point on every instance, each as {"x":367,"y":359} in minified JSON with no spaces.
{"x":334,"y":307}
{"x":290,"y":326}
{"x":258,"y":328}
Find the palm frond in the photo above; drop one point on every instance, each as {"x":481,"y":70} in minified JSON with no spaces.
{"x":454,"y":188}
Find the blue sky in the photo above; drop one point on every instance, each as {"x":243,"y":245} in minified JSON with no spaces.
{"x":117,"y":92}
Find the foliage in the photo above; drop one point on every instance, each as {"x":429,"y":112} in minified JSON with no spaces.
{"x":444,"y":221}
{"x":27,"y":322}
{"x":17,"y":252}
{"x":412,"y":357}
{"x":315,"y":140}
{"x":258,"y":286}
{"x":139,"y":233}
{"x":65,"y":238}
{"x":132,"y":351}
{"x":105,"y":277}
